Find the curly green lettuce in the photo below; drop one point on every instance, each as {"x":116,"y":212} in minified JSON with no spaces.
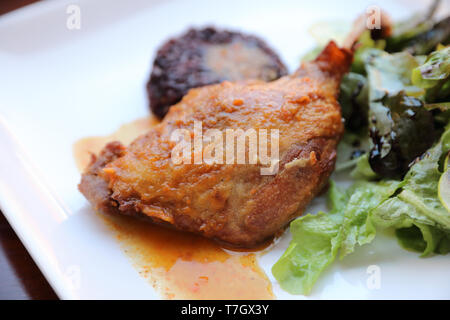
{"x":396,"y":104}
{"x":417,"y":207}
{"x":433,"y":76}
{"x":396,"y":112}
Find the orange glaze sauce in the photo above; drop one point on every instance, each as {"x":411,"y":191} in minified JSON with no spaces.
{"x":178,"y":265}
{"x":83,"y":148}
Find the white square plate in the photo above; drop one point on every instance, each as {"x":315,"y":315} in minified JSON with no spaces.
{"x":59,"y":85}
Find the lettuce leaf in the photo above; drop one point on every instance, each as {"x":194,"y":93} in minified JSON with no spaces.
{"x":433,"y":76}
{"x":363,"y":170}
{"x":397,"y":116}
{"x":435,"y":68}
{"x":314,"y":245}
{"x":316,"y":239}
{"x":367,"y":47}
{"x":421,"y":38}
{"x":418,"y":203}
{"x":425,"y":239}
{"x":351,"y":148}
{"x":357,"y":227}
{"x":353,"y":99}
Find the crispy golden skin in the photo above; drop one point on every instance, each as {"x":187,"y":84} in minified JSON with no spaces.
{"x":234,"y":204}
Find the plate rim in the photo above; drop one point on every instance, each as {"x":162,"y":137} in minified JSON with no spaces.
{"x":10,"y":205}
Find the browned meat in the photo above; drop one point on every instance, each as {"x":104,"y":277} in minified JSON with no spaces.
{"x":232,"y":203}
{"x":206,"y":56}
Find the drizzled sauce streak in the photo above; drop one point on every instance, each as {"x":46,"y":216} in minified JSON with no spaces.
{"x":178,"y":265}
{"x":83,"y":148}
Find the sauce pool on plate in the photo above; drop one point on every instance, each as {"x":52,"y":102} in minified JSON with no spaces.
{"x":178,"y":265}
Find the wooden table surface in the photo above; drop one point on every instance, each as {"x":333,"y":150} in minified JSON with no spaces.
{"x":20,"y":278}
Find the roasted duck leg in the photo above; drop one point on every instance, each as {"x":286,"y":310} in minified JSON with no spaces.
{"x":231,"y":203}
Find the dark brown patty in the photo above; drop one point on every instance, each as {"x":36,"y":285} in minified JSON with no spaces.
{"x":206,"y":56}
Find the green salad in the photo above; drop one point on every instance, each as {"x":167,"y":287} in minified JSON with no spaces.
{"x":396,"y":106}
